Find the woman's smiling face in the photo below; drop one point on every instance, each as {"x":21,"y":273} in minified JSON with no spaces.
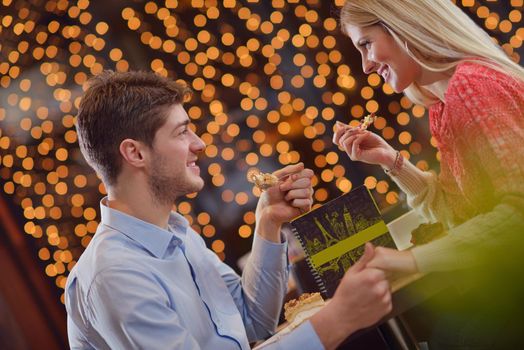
{"x":382,"y":54}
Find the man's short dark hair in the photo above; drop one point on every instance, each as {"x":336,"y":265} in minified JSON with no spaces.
{"x":120,"y":105}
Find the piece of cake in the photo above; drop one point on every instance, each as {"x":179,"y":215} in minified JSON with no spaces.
{"x":262,"y":180}
{"x":298,"y":310}
{"x":367,"y":121}
{"x":426,"y":233}
{"x":363,"y":124}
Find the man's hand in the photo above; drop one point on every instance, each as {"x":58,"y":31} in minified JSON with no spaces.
{"x":281,"y":203}
{"x":362,"y":298}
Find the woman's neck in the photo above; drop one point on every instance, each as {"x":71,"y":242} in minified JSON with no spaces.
{"x":436,"y":82}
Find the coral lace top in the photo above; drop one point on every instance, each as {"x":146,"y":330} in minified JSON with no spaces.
{"x":479,"y":193}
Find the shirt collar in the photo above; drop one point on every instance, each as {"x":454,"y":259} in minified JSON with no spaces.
{"x":153,"y":238}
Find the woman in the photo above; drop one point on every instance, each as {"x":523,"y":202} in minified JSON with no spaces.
{"x":437,"y":56}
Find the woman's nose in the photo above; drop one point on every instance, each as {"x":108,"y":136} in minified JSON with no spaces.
{"x":368,"y":66}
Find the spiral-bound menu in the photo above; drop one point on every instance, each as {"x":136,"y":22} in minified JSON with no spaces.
{"x":333,"y":235}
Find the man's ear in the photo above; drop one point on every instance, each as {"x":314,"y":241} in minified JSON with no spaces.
{"x":133,"y":152}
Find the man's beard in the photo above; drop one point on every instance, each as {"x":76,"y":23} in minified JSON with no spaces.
{"x":167,"y":185}
{"x":163,"y":188}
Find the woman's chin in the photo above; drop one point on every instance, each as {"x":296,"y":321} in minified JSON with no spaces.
{"x":397,"y":85}
{"x":398,"y":88}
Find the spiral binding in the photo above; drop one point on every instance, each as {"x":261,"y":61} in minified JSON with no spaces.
{"x":316,"y":276}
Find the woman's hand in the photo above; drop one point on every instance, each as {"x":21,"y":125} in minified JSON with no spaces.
{"x":392,"y":261}
{"x":364,"y":146}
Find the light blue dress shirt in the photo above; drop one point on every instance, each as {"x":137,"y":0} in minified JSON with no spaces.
{"x":138,"y":286}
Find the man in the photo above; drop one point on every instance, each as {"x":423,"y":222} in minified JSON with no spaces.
{"x":147,"y":280}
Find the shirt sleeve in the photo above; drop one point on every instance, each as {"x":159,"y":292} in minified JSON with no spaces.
{"x":135,"y":317}
{"x":303,"y":337}
{"x":260,"y":291}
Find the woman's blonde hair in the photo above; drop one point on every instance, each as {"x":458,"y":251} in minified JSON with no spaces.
{"x":435,"y":33}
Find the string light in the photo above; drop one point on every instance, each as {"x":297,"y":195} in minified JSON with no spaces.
{"x":266,"y":95}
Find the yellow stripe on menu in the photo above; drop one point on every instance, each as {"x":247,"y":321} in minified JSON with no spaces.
{"x":349,"y":243}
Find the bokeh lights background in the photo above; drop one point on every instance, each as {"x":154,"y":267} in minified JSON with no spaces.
{"x":270,"y":78}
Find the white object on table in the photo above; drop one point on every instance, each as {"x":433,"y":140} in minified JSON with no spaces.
{"x":401,"y":228}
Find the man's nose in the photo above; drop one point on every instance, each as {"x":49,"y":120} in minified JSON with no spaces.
{"x":198,"y":144}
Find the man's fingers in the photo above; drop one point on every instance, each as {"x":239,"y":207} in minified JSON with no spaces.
{"x":299,"y":193}
{"x":302,"y":204}
{"x":305,"y":173}
{"x":304,"y":182}
{"x":383,"y":287}
{"x":298,"y":180}
{"x":369,"y":252}
{"x":388,"y":302}
{"x":288,"y":170}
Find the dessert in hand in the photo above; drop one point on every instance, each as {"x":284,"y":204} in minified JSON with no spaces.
{"x":426,"y":233}
{"x":298,"y":310}
{"x":367,"y":121}
{"x":262,"y":180}
{"x":364,"y":123}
